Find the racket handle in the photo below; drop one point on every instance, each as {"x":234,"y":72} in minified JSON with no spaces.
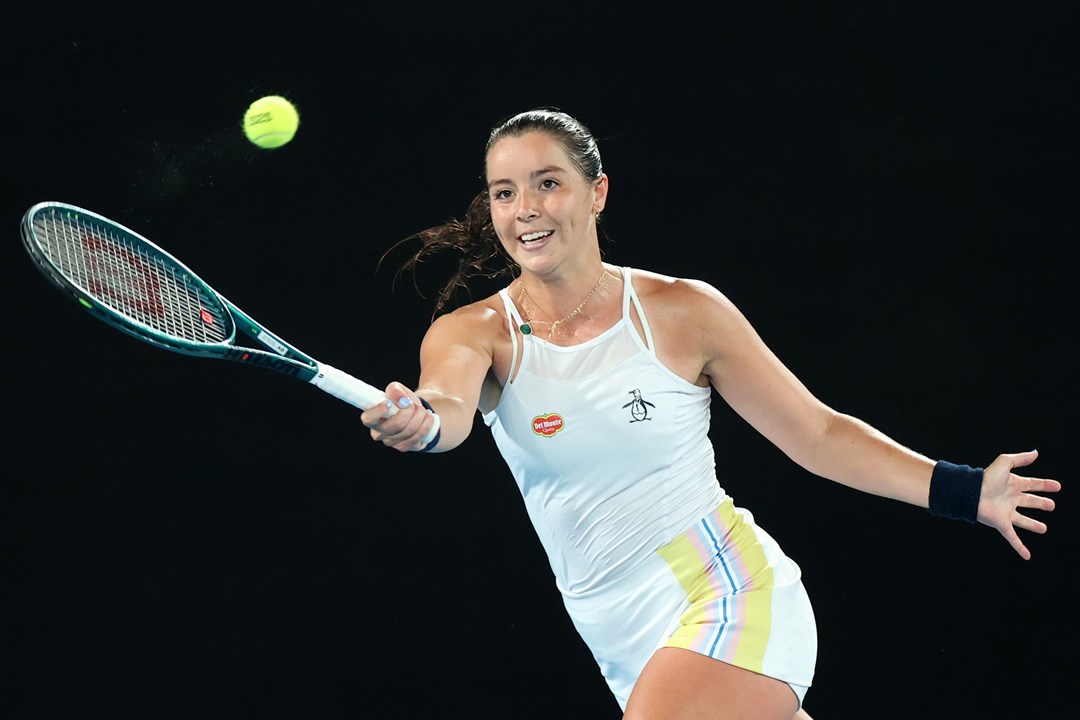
{"x":358,"y":393}
{"x":345,"y":387}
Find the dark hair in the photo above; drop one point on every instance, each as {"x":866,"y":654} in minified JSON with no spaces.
{"x":474,"y":235}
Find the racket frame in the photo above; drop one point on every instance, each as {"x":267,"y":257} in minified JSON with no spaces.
{"x":278,"y":355}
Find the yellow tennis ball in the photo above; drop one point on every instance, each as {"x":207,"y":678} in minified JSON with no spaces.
{"x":271,"y":121}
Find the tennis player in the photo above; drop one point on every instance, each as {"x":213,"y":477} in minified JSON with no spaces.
{"x":596,"y":383}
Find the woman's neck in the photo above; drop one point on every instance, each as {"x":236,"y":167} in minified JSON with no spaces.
{"x":550,"y":307}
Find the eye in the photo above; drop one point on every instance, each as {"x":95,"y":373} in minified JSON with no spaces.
{"x":549,"y":184}
{"x":503,"y":194}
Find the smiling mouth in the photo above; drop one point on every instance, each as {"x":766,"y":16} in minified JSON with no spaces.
{"x":534,"y":236}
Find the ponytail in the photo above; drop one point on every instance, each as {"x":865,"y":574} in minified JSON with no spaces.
{"x":473,"y":238}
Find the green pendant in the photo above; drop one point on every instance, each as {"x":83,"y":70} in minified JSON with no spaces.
{"x":525,"y":329}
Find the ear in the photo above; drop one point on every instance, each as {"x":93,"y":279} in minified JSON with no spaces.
{"x":600,"y":191}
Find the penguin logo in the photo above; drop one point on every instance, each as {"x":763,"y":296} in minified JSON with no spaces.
{"x":639,"y":409}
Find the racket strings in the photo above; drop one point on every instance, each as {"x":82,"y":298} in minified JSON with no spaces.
{"x":132,"y":278}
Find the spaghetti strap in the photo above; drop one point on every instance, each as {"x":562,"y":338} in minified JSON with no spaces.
{"x":513,"y":320}
{"x":630,"y":295}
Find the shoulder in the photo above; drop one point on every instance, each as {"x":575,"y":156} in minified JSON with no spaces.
{"x":482,"y":312}
{"x":481,"y":321}
{"x":694,"y":324}
{"x":679,"y":296}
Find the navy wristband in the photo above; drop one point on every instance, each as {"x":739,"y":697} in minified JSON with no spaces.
{"x":438,"y":433}
{"x":955,"y":491}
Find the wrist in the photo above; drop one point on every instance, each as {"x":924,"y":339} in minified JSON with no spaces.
{"x":955,"y":491}
{"x":438,"y":433}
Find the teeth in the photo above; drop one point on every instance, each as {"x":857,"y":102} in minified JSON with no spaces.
{"x":529,"y":237}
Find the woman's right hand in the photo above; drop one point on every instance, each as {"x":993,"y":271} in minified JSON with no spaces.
{"x":405,"y":430}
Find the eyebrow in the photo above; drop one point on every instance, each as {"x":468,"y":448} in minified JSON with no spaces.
{"x":532,"y":175}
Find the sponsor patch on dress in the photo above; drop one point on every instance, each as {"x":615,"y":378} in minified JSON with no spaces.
{"x":547,"y":425}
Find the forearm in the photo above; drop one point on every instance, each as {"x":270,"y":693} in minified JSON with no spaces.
{"x":854,"y":454}
{"x":456,"y":417}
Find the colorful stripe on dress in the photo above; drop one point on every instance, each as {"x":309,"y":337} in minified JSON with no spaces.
{"x":728,"y":581}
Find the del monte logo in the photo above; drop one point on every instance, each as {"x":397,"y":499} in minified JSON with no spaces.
{"x":547,"y":425}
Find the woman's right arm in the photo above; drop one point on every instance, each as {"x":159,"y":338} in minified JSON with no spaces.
{"x":455,"y":362}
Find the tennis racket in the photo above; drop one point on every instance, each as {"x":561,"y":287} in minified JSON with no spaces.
{"x":125,"y":280}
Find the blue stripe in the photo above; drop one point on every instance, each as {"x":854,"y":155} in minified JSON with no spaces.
{"x":707,"y":527}
{"x":721,"y":629}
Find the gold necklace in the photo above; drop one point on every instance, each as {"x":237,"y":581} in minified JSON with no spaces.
{"x":526,"y":327}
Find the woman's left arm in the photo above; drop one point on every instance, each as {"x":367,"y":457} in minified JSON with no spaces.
{"x":842,"y":448}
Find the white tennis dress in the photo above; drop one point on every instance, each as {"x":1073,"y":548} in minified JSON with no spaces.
{"x":611,"y":453}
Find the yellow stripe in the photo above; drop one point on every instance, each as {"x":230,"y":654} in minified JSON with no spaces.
{"x":749,"y":608}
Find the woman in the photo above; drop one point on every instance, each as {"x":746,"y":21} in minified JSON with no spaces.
{"x":596,"y":382}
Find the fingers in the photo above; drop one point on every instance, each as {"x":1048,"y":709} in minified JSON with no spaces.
{"x":1023,"y":459}
{"x":1030,"y":488}
{"x":376,"y":414}
{"x":1036,"y":502}
{"x":1029,"y":524}
{"x":1015,"y":460}
{"x":401,"y":423}
{"x":1039,"y":485}
{"x":1006,"y":493}
{"x":1016,"y":543}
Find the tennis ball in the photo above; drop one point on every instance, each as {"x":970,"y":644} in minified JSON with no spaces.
{"x":271,"y":121}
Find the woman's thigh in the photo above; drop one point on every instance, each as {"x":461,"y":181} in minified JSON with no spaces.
{"x":679,"y":684}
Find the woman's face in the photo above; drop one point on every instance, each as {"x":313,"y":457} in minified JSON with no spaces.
{"x":542,"y":209}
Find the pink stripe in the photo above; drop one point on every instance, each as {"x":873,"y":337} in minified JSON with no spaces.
{"x":705,"y":546}
{"x":730,"y":628}
{"x":737,"y":607}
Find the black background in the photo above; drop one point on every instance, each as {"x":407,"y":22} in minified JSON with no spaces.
{"x":884,"y":189}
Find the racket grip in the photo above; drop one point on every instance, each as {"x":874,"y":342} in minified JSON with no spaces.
{"x":358,"y":393}
{"x":345,"y":387}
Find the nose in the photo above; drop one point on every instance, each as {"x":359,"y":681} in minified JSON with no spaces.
{"x":527,"y":207}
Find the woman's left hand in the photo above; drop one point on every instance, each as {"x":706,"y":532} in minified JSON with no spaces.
{"x":1004,"y":493}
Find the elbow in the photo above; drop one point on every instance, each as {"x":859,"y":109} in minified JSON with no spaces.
{"x":817,"y":453}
